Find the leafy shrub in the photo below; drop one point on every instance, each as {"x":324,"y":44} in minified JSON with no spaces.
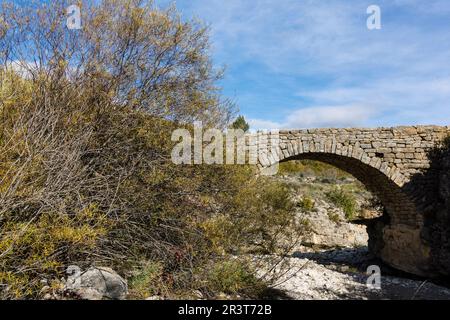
{"x":343,"y":200}
{"x":220,"y":230}
{"x":146,"y":281}
{"x":333,"y":217}
{"x":306,"y":204}
{"x":310,"y":167}
{"x":234,"y":277}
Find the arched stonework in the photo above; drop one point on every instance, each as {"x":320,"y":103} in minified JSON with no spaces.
{"x":399,"y":206}
{"x":393,"y":163}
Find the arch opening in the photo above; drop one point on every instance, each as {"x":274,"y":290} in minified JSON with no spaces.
{"x":399,"y":208}
{"x":338,"y":210}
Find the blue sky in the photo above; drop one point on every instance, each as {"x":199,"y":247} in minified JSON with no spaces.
{"x":314,"y":63}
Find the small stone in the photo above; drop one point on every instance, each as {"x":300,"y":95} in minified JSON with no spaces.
{"x":154,"y":298}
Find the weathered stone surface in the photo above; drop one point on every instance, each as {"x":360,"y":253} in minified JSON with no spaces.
{"x":97,"y":283}
{"x":324,"y":232}
{"x":324,"y":276}
{"x":397,"y":165}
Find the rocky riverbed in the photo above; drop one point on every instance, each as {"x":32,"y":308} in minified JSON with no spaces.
{"x":332,"y":260}
{"x":337,"y":274}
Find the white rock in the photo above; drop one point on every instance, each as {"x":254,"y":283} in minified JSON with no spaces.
{"x":97,"y":283}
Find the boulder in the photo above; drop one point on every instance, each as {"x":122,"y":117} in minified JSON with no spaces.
{"x":97,"y":283}
{"x":328,"y":228}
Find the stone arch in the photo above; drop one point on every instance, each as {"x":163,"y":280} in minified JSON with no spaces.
{"x":399,"y":206}
{"x":380,"y":177}
{"x":395,"y":238}
{"x":394,"y":164}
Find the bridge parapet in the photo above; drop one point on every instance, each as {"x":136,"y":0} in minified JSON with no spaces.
{"x":397,"y":152}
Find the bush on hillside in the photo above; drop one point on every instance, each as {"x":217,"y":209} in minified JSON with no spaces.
{"x":85,"y":170}
{"x":343,"y":200}
{"x":310,"y":167}
{"x":306,"y":204}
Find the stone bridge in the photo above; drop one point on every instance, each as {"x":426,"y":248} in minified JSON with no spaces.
{"x":403,"y":167}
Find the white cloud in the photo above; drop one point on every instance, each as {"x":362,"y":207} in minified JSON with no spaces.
{"x":329,"y":116}
{"x":324,"y":50}
{"x":398,"y":101}
{"x":319,"y":117}
{"x":258,"y":124}
{"x":24,"y":69}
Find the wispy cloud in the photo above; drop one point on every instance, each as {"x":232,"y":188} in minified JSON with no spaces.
{"x":319,"y":117}
{"x":328,"y":116}
{"x":287,"y":56}
{"x":259,"y":124}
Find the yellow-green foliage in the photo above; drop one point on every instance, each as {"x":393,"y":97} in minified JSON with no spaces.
{"x":333,"y":216}
{"x":306,"y":204}
{"x":147,"y":281}
{"x":316,"y":168}
{"x":85,"y":170}
{"x":345,"y":200}
{"x":234,"y":277}
{"x":220,"y":231}
{"x":262,"y":215}
{"x":42,"y":246}
{"x":13,"y":90}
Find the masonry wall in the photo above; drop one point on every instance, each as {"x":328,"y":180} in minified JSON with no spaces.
{"x":386,"y":149}
{"x":436,"y":230}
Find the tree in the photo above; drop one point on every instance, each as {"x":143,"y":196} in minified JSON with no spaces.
{"x":86,"y":118}
{"x":240,"y":123}
{"x":85,"y":123}
{"x":136,"y":55}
